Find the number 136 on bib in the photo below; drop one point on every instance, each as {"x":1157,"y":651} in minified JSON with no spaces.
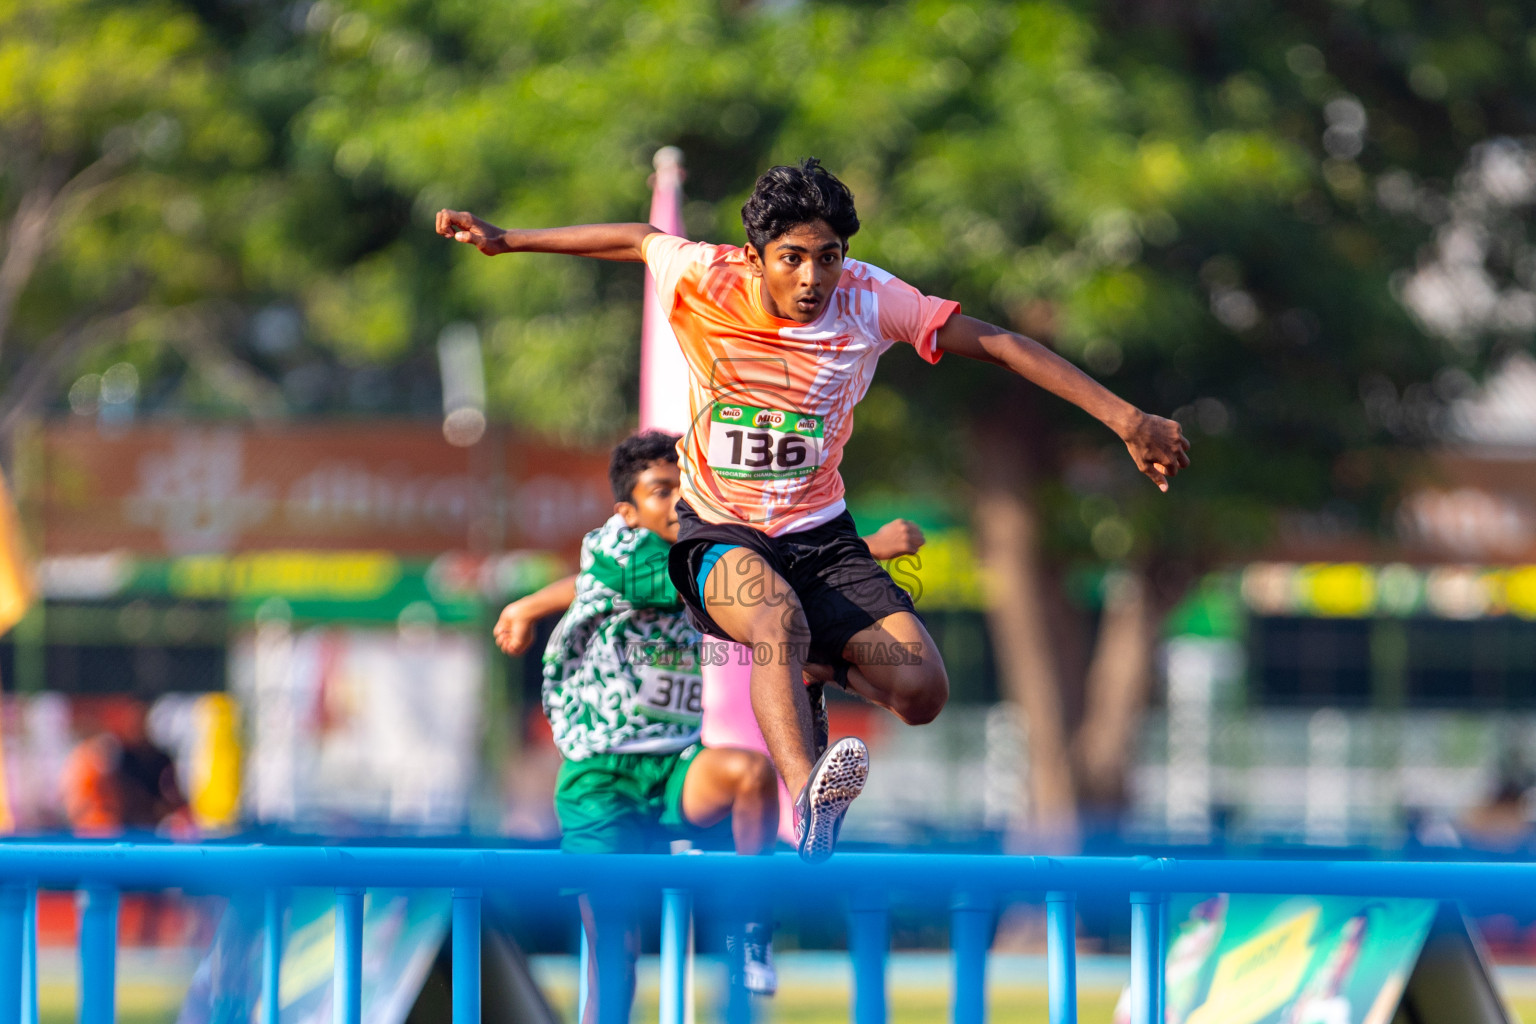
{"x":747,"y":443}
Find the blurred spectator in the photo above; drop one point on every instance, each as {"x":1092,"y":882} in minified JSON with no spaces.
{"x":118,"y":780}
{"x":1502,"y":822}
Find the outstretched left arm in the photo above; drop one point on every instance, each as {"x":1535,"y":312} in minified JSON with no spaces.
{"x":1157,"y":444}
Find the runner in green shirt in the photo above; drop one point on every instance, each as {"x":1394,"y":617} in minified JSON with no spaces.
{"x":622,"y":693}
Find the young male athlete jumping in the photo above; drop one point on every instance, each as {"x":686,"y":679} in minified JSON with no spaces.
{"x":517,"y":626}
{"x":781,"y":338}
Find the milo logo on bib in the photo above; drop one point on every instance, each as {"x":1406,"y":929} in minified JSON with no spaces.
{"x":747,"y":443}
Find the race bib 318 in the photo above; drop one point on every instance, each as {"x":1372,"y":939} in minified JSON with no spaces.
{"x":678,"y":696}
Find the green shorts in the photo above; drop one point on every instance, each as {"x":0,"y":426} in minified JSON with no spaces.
{"x":622,"y":803}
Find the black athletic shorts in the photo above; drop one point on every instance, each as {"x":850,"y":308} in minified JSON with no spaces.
{"x":842,"y":589}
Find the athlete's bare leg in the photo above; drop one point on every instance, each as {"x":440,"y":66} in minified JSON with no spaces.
{"x":897,"y":666}
{"x":741,"y":783}
{"x":755,"y":606}
{"x":612,"y":930}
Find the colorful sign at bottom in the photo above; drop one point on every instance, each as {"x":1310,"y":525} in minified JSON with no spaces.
{"x":1289,"y":959}
{"x":402,"y":931}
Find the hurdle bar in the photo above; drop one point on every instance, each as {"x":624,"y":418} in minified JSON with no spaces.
{"x":870,"y":883}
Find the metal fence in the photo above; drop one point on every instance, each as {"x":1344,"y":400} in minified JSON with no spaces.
{"x":863,"y":885}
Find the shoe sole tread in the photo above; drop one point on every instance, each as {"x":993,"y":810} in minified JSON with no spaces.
{"x":839,"y":778}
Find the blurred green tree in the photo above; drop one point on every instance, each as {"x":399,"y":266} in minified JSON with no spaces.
{"x":121,"y":157}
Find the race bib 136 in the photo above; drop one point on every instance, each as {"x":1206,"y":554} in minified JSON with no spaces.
{"x":748,"y":443}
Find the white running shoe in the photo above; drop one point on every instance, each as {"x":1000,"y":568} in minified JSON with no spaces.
{"x":836,"y":779}
{"x":756,"y":959}
{"x":758,"y":974}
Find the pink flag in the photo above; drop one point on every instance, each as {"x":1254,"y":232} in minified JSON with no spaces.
{"x":663,"y":374}
{"x":728,"y":717}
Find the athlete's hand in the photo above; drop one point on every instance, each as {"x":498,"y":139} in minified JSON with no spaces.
{"x":466,"y":227}
{"x":896,"y":538}
{"x":514,"y":629}
{"x":1158,"y":446}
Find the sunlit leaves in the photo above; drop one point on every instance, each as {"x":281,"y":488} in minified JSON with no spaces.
{"x":119,"y":122}
{"x":1161,"y":200}
{"x":366,"y":312}
{"x":536,"y":360}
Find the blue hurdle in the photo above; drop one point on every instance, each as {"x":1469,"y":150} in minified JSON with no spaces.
{"x":870,"y":883}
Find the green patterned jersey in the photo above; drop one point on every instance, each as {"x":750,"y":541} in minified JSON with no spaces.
{"x":621,"y":672}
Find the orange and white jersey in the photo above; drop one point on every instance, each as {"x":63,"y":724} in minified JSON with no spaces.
{"x":771,"y":400}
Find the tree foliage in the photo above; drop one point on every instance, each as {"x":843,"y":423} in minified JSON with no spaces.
{"x":1241,"y":214}
{"x":1184,"y":197}
{"x":123,"y":148}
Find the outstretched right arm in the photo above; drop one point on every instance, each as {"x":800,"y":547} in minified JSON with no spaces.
{"x":514,"y":630}
{"x":599,"y":241}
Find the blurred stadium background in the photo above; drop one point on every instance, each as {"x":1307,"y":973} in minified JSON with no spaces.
{"x":278,"y":454}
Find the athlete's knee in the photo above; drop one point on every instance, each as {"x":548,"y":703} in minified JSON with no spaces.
{"x":907,"y":677}
{"x":749,"y":775}
{"x":919,"y":692}
{"x":756,"y":778}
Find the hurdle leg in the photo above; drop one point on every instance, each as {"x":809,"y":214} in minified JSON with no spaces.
{"x":1061,"y":955}
{"x":271,"y":956}
{"x":583,"y":982}
{"x":13,"y":926}
{"x":466,"y":956}
{"x":29,"y":960}
{"x":970,"y":935}
{"x":1162,"y":960}
{"x":869,"y":942}
{"x":98,"y":955}
{"x":676,"y":1002}
{"x":348,"y":978}
{"x":1146,"y":956}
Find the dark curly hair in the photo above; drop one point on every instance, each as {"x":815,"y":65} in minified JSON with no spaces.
{"x":786,"y":197}
{"x":634,"y":455}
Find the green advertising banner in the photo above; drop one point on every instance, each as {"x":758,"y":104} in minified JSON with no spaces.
{"x":1290,"y":959}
